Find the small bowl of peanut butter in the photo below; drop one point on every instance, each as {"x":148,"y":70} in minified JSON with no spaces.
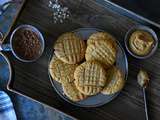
{"x":141,"y":42}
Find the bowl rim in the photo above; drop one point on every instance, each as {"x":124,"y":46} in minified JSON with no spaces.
{"x":143,"y":28}
{"x":37,"y":32}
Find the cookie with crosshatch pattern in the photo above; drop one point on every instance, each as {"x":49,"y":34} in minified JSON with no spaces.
{"x":90,"y":77}
{"x":60,"y":71}
{"x":70,"y":48}
{"x":103,"y":51}
{"x":72,"y":92}
{"x":115,"y":81}
{"x":101,"y":36}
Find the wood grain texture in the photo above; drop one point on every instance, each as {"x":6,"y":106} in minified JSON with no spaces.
{"x":31,"y":79}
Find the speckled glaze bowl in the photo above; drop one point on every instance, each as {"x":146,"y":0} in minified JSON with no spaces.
{"x":143,"y":28}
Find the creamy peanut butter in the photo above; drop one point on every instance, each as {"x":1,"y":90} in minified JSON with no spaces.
{"x":141,"y":42}
{"x":143,"y":78}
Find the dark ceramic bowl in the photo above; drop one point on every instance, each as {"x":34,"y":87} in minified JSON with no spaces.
{"x":143,"y":28}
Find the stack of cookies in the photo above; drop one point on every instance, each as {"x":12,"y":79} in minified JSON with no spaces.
{"x":86,"y":69}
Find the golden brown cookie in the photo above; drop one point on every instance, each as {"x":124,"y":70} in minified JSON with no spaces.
{"x":60,"y":71}
{"x":70,"y":48}
{"x":115,"y":81}
{"x":72,"y":92}
{"x":90,"y":77}
{"x":103,"y":52}
{"x":100,"y":36}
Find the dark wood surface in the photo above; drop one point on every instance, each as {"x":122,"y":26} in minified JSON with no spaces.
{"x":31,"y":79}
{"x":146,"y":8}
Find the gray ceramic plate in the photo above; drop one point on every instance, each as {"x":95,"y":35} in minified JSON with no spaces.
{"x":99,"y":99}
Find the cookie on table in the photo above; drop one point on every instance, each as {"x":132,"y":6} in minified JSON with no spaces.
{"x":90,"y":77}
{"x":60,"y":71}
{"x":72,"y":92}
{"x":115,"y":81}
{"x":102,"y":51}
{"x":101,"y":36}
{"x":70,"y":48}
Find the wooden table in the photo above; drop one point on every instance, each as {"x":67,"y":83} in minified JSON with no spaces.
{"x":146,"y":8}
{"x":31,"y":79}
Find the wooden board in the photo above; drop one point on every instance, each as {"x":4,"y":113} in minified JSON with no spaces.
{"x":31,"y":79}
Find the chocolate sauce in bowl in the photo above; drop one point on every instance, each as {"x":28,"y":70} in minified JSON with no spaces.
{"x":26,"y":44}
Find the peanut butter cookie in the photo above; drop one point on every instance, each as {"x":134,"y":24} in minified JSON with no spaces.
{"x":70,"y":48}
{"x":102,"y":51}
{"x":115,"y":81}
{"x":60,"y":71}
{"x":72,"y":92}
{"x":90,"y":77}
{"x":101,"y":36}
